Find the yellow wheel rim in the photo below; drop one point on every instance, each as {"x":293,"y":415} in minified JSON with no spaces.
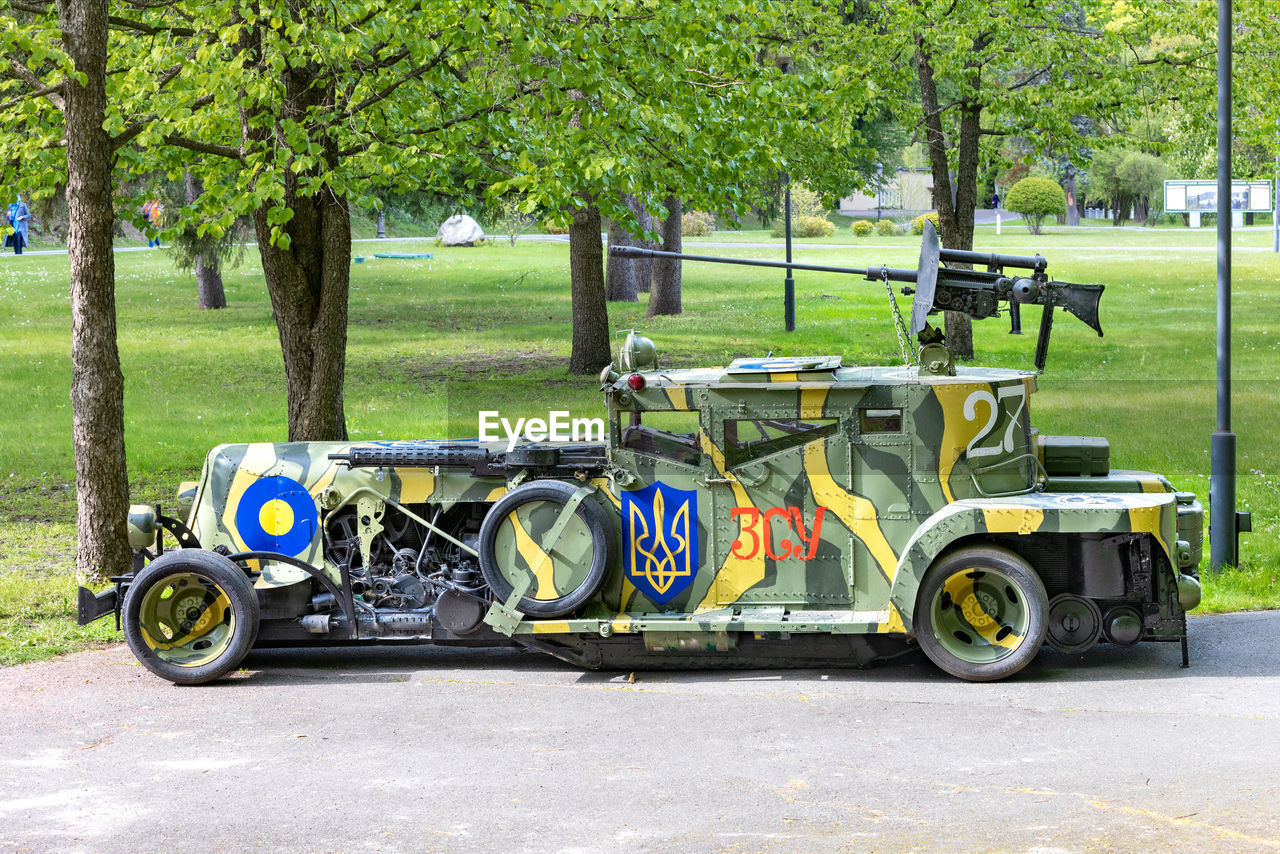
{"x":979,"y":615}
{"x":186,"y":619}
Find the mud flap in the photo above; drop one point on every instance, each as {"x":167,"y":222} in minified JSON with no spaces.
{"x":90,"y":606}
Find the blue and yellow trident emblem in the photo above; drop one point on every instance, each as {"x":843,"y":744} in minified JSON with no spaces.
{"x":660,"y":535}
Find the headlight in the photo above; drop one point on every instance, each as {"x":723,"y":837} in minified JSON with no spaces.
{"x":142,"y":526}
{"x":1188,"y":592}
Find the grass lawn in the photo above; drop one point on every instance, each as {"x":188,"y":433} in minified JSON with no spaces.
{"x":430,"y":341}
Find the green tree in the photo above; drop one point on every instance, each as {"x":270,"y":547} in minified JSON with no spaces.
{"x":975,"y":70}
{"x":676,"y":108}
{"x":1130,"y":182}
{"x":202,"y":251}
{"x":53,"y":109}
{"x":1106,"y":185}
{"x":1143,"y":174}
{"x":1035,"y":199}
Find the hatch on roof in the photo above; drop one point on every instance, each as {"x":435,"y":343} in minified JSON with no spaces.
{"x":784,"y":365}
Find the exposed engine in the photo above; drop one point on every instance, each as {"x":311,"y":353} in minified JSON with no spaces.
{"x":410,"y":574}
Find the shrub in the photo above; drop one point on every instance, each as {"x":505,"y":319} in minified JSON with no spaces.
{"x":814,"y":226}
{"x":1035,"y":199}
{"x":697,"y":224}
{"x":554,"y":228}
{"x":917,"y":224}
{"x":887,"y":228}
{"x":805,"y":203}
{"x":862,"y":227}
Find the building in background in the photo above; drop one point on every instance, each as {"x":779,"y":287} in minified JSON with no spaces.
{"x":906,"y":192}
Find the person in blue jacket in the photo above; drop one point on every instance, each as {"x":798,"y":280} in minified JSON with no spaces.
{"x":18,"y":215}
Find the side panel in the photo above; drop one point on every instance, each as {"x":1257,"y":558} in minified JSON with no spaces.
{"x":268,"y":497}
{"x":1150,"y":513}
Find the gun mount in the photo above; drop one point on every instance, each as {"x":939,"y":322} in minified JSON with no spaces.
{"x":977,"y":293}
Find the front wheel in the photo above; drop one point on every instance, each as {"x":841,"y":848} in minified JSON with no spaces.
{"x":982,"y":613}
{"x":190,"y":616}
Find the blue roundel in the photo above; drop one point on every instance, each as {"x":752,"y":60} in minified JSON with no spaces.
{"x":277,"y":514}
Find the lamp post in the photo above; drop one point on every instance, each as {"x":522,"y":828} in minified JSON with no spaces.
{"x":1223,"y":525}
{"x":879,"y":189}
{"x":788,"y":283}
{"x":1275,"y":196}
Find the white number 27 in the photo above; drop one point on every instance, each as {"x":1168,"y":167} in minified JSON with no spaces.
{"x":993,"y":411}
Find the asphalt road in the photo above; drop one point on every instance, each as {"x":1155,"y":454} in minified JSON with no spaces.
{"x":424,"y":749}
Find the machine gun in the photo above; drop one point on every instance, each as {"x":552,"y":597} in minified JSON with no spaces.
{"x":977,"y":293}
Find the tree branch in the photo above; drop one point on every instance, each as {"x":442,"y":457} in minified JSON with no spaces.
{"x":204,"y":147}
{"x":411,"y":74}
{"x":1029,"y":79}
{"x":24,"y":74}
{"x":33,"y":8}
{"x":147,"y":29}
{"x":55,"y":89}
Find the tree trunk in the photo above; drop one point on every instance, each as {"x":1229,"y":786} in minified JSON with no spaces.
{"x":97,"y":384}
{"x":620,"y":273}
{"x":590,"y":350}
{"x":1073,"y":202}
{"x":955,"y":211}
{"x":643,"y":266}
{"x":665,"y":298}
{"x":208,"y":268}
{"x":310,"y":278}
{"x":209,"y":288}
{"x":309,"y":284}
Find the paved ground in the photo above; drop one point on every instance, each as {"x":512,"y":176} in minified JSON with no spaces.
{"x":425,"y":749}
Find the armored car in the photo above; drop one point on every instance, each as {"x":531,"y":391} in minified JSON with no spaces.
{"x":770,"y":512}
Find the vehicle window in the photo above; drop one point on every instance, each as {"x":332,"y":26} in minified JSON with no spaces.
{"x":752,"y":438}
{"x":671,"y":435}
{"x":879,"y":421}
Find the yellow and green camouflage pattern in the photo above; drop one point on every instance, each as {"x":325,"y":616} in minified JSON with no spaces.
{"x":773,"y":496}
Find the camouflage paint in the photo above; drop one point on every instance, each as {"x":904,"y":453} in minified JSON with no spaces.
{"x":900,"y":466}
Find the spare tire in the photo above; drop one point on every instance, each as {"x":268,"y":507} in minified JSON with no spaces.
{"x":564,"y":568}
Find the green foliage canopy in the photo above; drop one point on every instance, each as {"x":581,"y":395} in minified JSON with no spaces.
{"x":1035,"y":199}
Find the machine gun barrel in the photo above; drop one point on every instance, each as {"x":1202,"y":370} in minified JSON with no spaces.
{"x":640,"y":252}
{"x":872,"y":274}
{"x":977,"y":293}
{"x":994,"y":260}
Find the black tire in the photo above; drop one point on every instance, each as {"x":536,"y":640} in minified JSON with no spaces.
{"x":597,"y":524}
{"x":981,"y":613}
{"x":196,"y":595}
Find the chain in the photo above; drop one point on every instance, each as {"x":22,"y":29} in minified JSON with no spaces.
{"x":905,"y":345}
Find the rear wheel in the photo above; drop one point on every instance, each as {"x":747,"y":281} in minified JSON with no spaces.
{"x":190,"y":616}
{"x":982,"y":613}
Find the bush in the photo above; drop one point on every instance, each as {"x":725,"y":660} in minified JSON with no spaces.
{"x":805,"y":204}
{"x":862,"y":227}
{"x":917,"y":224}
{"x":697,"y":224}
{"x":814,"y":226}
{"x":1035,"y":199}
{"x":805,"y":225}
{"x":887,"y":228}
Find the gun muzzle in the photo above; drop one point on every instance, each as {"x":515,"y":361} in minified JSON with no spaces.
{"x":1025,"y":290}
